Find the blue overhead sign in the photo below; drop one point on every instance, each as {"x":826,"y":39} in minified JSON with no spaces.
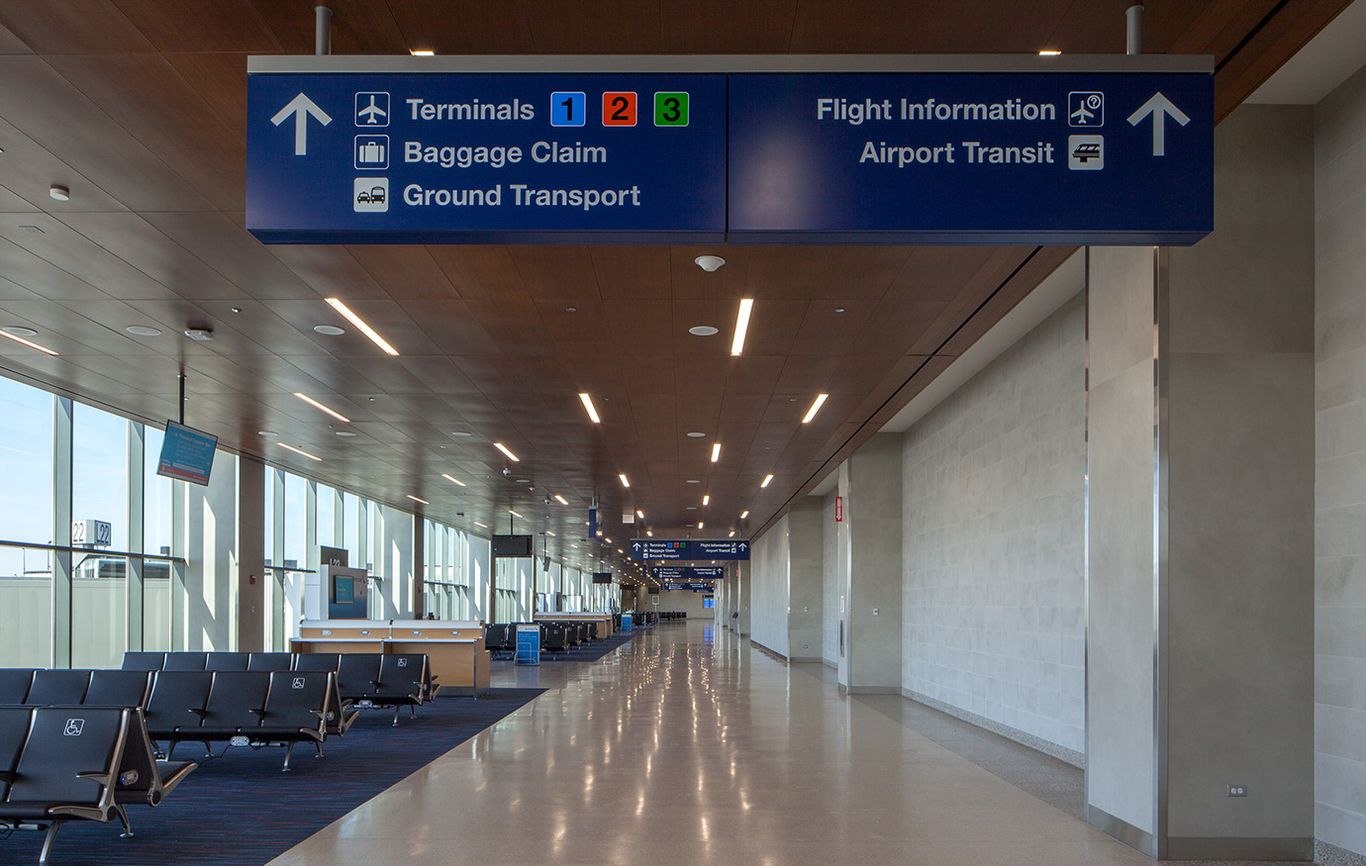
{"x":687,"y":573}
{"x":479,"y":158}
{"x":1076,"y":150}
{"x":688,"y":549}
{"x":702,"y":586}
{"x":1067,"y":158}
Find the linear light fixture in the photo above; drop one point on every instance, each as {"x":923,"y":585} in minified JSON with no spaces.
{"x":417,"y":499}
{"x":816,"y":405}
{"x":32,"y":345}
{"x":767,"y":478}
{"x":361,"y":325}
{"x":560,"y":499}
{"x":513,"y":513}
{"x":506,"y":452}
{"x":423,"y":52}
{"x":640,"y":514}
{"x":649,"y":533}
{"x":744,"y":514}
{"x":590,"y":408}
{"x":715,"y":451}
{"x":737,"y":344}
{"x":481,"y":525}
{"x":321,"y":408}
{"x":551,"y":533}
{"x":299,"y":451}
{"x":732,"y":534}
{"x":1049,"y":52}
{"x":625,"y":482}
{"x":699,"y":524}
{"x":706,"y":498}
{"x":455,"y":481}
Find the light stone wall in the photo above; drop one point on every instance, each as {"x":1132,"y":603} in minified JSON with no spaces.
{"x":805,"y":577}
{"x":1340,"y":494}
{"x":768,"y":593}
{"x":830,"y":601}
{"x":993,"y":543}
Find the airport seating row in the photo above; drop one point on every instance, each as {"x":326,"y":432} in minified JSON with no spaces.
{"x":557,"y":636}
{"x":368,"y":679}
{"x":78,"y":762}
{"x":666,"y":615}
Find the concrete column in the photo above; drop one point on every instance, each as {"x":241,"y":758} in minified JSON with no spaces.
{"x":742,"y":584}
{"x":870,"y":567}
{"x":251,"y":574}
{"x":419,"y":566}
{"x":805,"y":575}
{"x":1200,"y":514}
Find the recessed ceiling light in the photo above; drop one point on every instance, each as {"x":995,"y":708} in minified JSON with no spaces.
{"x":640,"y":514}
{"x":625,"y":482}
{"x":423,"y":52}
{"x":732,"y":534}
{"x":737,"y":344}
{"x":715,"y":451}
{"x":236,"y":310}
{"x":462,"y":434}
{"x":650,"y":533}
{"x":506,"y":453}
{"x":700,"y":524}
{"x":767,"y":479}
{"x":455,"y":481}
{"x":416,"y":499}
{"x":690,"y":508}
{"x":320,"y":407}
{"x":19,"y":331}
{"x":329,"y":330}
{"x":815,"y":407}
{"x":143,"y":331}
{"x":571,"y":309}
{"x":345,"y":434}
{"x":706,"y":498}
{"x":588,"y":407}
{"x":8,"y":334}
{"x":266,"y":434}
{"x":299,"y":451}
{"x":710,"y":264}
{"x":696,"y":434}
{"x":59,"y":192}
{"x":839,"y":309}
{"x":703,"y":331}
{"x":744,"y":514}
{"x":561,"y":499}
{"x":33,"y":230}
{"x":693,"y":481}
{"x":1049,"y":52}
{"x":523,"y":480}
{"x":365,"y":329}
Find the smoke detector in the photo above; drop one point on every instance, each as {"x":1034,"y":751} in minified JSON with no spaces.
{"x":710,"y":264}
{"x":199,"y":335}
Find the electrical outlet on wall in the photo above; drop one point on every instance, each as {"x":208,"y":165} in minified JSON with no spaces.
{"x":1237,"y":790}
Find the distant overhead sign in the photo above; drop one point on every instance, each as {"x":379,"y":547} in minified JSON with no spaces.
{"x":688,"y":549}
{"x":859,"y":149}
{"x":686,"y":573}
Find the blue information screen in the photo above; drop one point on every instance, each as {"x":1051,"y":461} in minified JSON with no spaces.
{"x":509,"y":157}
{"x":186,"y":454}
{"x":971,"y":158}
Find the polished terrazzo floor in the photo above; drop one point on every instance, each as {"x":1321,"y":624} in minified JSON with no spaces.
{"x":686,"y":746}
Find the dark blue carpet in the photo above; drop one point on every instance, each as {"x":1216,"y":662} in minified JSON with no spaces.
{"x":240,"y":810}
{"x":589,"y":652}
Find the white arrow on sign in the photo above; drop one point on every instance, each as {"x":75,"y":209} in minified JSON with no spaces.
{"x":1160,"y":107}
{"x":744,"y":546}
{"x":300,"y":107}
{"x":635,"y":546}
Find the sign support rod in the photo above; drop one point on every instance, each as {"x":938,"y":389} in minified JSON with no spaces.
{"x":181,"y":377}
{"x":1133,"y":20}
{"x":322,"y":30}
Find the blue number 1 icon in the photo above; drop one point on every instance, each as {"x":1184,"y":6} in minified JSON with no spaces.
{"x":568,"y":108}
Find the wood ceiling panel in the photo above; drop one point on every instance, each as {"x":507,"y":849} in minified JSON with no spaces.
{"x":404,"y":272}
{"x":217,"y":82}
{"x":221,"y":242}
{"x":30,"y":171}
{"x":201,"y":25}
{"x":557,"y":272}
{"x":754,"y":27}
{"x":479,"y":27}
{"x":927,"y":26}
{"x":73,"y":27}
{"x":75,"y":254}
{"x":37,"y":100}
{"x":143,"y":247}
{"x":358,"y":26}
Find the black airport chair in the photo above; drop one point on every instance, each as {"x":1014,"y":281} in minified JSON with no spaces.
{"x":402,"y":682}
{"x":553,"y":639}
{"x":317,"y":662}
{"x":144,"y":780}
{"x":57,"y":687}
{"x":270,"y":662}
{"x":14,"y":684}
{"x":117,"y":689}
{"x":176,"y":703}
{"x":296,"y":710}
{"x":185,"y":661}
{"x":14,"y":725}
{"x":226,"y":662}
{"x":357,"y":675}
{"x":67,"y":770}
{"x":236,"y":702}
{"x":143,"y":661}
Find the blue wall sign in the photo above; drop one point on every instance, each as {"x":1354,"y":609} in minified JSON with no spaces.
{"x":688,"y":549}
{"x":1105,"y":150}
{"x":686,"y":573}
{"x":1068,"y":158}
{"x":483,"y":158}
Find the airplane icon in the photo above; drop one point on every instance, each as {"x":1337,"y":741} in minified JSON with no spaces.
{"x":1086,"y":108}
{"x":1081,"y":115}
{"x":372,"y":109}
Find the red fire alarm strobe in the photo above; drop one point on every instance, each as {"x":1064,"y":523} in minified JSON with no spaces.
{"x":839,"y":509}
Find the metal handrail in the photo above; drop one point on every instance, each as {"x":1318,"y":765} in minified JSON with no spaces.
{"x":67,"y":548}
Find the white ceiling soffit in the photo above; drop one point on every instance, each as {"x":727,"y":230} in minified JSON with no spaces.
{"x":1060,"y":287}
{"x":1329,"y":59}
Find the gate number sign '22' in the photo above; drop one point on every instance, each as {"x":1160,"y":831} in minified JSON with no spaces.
{"x":1044,"y":157}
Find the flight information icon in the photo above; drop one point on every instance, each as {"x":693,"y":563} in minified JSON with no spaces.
{"x":1086,"y":108}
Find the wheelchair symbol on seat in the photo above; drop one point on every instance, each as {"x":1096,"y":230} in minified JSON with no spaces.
{"x":74,"y":728}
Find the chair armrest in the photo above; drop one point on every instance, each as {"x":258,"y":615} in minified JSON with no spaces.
{"x":319,"y":713}
{"x":433,"y":678}
{"x":7,"y":777}
{"x":197,"y":711}
{"x":93,"y":776}
{"x":256,"y":712}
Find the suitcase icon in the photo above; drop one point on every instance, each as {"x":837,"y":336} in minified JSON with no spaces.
{"x":372,"y":151}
